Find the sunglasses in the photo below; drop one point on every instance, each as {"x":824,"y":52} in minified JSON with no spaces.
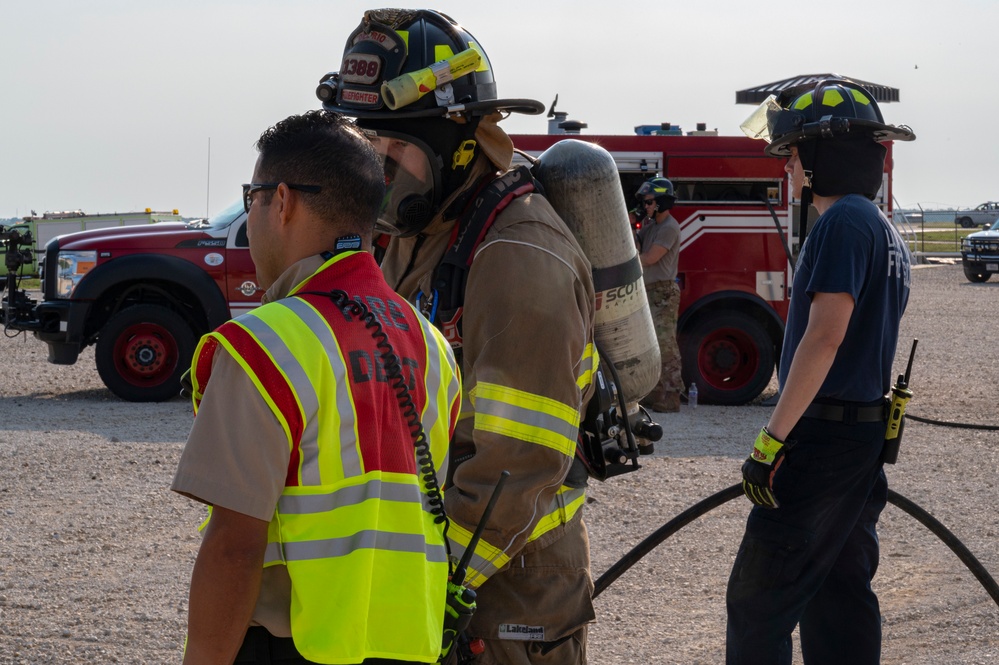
{"x":649,"y":202}
{"x":250,"y":188}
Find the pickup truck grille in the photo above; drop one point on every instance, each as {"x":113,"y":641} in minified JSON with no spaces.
{"x":50,"y":272}
{"x":985,"y":246}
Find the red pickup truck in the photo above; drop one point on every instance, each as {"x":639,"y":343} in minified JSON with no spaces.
{"x":143,"y":295}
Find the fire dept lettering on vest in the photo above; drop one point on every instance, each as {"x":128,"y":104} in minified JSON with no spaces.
{"x":388,"y":312}
{"x":364,"y":367}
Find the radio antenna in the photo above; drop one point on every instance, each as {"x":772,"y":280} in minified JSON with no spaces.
{"x":208,"y":180}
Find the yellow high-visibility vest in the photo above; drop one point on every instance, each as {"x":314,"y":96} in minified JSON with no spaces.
{"x":367,"y":562}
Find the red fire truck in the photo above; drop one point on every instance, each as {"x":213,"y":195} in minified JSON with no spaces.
{"x":143,"y":295}
{"x":739,"y":238}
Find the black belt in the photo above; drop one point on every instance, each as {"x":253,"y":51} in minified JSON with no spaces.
{"x":260,"y":647}
{"x":847,"y":413}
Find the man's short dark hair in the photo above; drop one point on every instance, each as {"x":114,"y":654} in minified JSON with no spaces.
{"x":325,"y":149}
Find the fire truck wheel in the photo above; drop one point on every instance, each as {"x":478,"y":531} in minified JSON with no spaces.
{"x":729,"y":355}
{"x":142,"y":352}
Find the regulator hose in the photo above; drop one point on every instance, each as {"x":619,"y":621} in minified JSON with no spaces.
{"x":717,"y":499}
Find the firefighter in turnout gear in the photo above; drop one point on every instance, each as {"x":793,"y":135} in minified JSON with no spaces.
{"x":520,"y":315}
{"x":325,"y":537}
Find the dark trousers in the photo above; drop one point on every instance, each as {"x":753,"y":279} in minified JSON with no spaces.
{"x":811,"y":561}
{"x":261,"y":648}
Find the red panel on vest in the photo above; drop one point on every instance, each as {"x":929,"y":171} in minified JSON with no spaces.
{"x":277,"y":386}
{"x":203,"y":366}
{"x":386,"y":439}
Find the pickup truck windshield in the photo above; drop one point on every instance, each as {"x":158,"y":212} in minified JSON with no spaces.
{"x":220,"y":220}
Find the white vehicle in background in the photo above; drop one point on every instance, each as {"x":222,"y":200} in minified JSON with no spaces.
{"x":980,"y":254}
{"x":983,"y":215}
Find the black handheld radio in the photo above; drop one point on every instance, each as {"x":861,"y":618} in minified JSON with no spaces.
{"x":900,"y":396}
{"x":460,"y":599}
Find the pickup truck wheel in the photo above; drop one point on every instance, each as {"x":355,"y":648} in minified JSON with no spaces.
{"x":142,"y":352}
{"x":976,"y":276}
{"x":965,"y":222}
{"x":730,"y":357}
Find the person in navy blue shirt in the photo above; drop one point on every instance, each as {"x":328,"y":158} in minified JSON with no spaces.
{"x":815,"y":475}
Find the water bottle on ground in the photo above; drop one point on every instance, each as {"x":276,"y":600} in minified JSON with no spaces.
{"x":692,"y":396}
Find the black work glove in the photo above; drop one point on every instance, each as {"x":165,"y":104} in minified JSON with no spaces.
{"x":759,"y":468}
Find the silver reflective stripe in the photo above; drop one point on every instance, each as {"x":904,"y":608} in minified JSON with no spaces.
{"x":273,"y":553}
{"x":350,"y":461}
{"x":529,"y":417}
{"x":434,"y":380}
{"x":364,"y":540}
{"x":300,"y":383}
{"x":588,"y":362}
{"x":308,"y":504}
{"x":563,"y":499}
{"x":476,"y":563}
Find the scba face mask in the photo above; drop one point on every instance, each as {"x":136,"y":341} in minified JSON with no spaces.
{"x":412,"y":182}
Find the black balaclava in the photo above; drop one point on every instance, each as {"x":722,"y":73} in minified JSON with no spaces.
{"x":844,"y":165}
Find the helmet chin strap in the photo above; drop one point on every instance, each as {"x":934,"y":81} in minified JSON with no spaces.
{"x":806,"y":155}
{"x":806,"y":203}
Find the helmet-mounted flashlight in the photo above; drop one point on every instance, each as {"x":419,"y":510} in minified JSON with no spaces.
{"x":409,"y":87}
{"x":326,"y":92}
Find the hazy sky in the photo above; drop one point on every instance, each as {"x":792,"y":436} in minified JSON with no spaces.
{"x":110,"y":105}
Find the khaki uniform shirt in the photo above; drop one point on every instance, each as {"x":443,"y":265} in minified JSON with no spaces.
{"x":665,"y":234}
{"x":237,"y":455}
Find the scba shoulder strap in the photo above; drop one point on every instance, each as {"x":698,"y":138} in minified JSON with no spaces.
{"x":598,"y":452}
{"x":446,"y":301}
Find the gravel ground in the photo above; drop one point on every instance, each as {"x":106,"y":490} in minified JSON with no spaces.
{"x":96,"y":552}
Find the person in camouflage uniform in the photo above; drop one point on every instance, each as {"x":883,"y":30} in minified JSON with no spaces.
{"x":659,"y":251}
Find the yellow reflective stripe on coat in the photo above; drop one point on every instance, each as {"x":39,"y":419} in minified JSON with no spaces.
{"x":563,"y":508}
{"x":485,"y":561}
{"x":521,"y":415}
{"x":488,"y":559}
{"x":587,"y":367}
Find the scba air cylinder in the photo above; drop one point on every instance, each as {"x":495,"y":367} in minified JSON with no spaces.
{"x":581,"y":182}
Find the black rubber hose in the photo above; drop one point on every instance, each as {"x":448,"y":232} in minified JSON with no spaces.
{"x":944,"y":423}
{"x":662,"y":533}
{"x":949,"y":539}
{"x":650,"y":543}
{"x":725,"y":495}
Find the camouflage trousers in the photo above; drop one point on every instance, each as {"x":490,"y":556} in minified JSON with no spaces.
{"x":664,"y":302}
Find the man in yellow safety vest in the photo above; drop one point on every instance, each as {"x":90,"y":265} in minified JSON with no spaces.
{"x":320,"y":417}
